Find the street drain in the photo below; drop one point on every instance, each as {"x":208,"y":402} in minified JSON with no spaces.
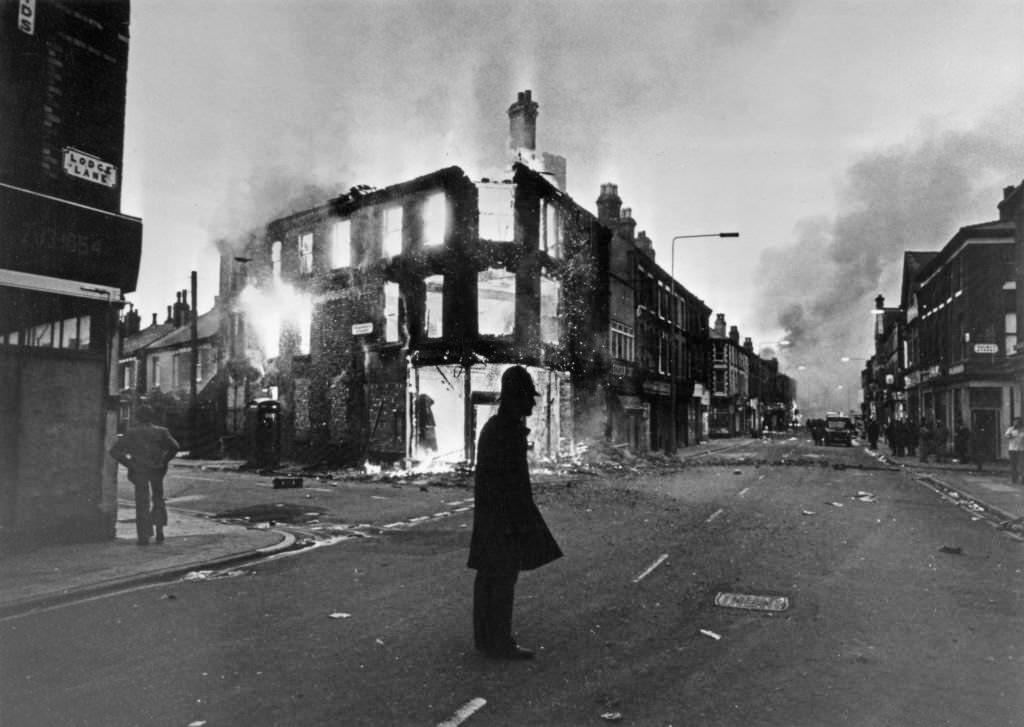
{"x":751,"y":601}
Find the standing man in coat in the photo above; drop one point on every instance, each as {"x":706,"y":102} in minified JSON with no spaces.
{"x":146,"y":450}
{"x":509,"y":533}
{"x":1015,"y":435}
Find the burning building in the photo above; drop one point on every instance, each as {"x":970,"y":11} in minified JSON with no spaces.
{"x":381,"y":320}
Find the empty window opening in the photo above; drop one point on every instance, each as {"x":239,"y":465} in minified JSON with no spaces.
{"x":496,"y":212}
{"x":434,"y":305}
{"x":496,"y":302}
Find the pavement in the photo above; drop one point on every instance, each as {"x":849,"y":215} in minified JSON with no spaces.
{"x":52,"y":575}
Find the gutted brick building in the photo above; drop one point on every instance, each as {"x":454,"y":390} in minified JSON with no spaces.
{"x":385,"y":309}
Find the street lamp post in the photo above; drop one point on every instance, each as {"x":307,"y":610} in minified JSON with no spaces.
{"x":673,"y":394}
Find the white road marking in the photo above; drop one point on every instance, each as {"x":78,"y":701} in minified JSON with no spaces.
{"x":464,"y":712}
{"x":715,"y":514}
{"x":743,"y":492}
{"x":661,"y":559}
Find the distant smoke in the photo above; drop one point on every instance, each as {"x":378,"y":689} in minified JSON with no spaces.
{"x":820,"y":289}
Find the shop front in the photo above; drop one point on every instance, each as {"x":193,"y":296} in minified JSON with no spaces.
{"x":63,"y":269}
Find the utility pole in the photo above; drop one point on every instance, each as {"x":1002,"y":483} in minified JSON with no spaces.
{"x":194,"y":365}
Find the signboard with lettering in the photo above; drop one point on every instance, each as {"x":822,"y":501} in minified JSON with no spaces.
{"x":88,"y":167}
{"x":986,"y":348}
{"x":27,"y":16}
{"x":361,"y":329}
{"x":48,"y":236}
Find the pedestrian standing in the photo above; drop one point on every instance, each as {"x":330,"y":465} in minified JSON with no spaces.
{"x":1015,"y":435}
{"x":962,"y":442}
{"x":909,"y":434}
{"x":146,"y":449}
{"x":509,"y":533}
{"x":924,"y":441}
{"x":872,"y":431}
{"x":941,"y":437}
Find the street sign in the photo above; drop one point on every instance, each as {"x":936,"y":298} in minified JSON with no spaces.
{"x":986,"y":348}
{"x":361,"y":329}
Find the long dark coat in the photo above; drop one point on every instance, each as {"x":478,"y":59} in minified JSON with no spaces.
{"x":509,"y":533}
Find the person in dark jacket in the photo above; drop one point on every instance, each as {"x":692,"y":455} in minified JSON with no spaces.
{"x":145,"y":450}
{"x":509,"y":533}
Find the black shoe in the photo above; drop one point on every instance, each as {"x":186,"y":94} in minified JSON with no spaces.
{"x":512,"y":653}
{"x":142,"y":541}
{"x":159,"y":535}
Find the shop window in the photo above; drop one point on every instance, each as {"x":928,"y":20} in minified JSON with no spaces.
{"x":435,"y":220}
{"x":341,"y":244}
{"x":497,"y":212}
{"x":275,"y":261}
{"x":391,"y":298}
{"x":41,"y":335}
{"x":156,"y":371}
{"x":306,"y":253}
{"x":550,"y":320}
{"x":496,"y":302}
{"x":392,"y":231}
{"x":1011,"y":333}
{"x":434,"y":306}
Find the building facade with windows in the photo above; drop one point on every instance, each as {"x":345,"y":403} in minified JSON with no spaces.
{"x":961,"y":323}
{"x":67,"y":257}
{"x":361,"y":310}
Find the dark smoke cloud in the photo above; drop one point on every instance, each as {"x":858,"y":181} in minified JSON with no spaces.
{"x":913,"y":197}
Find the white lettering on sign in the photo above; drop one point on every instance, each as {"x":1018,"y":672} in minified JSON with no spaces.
{"x":92,"y":169}
{"x":27,"y":16}
{"x":986,"y":348}
{"x":361,"y":329}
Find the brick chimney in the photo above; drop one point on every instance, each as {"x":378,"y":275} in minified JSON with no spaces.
{"x":522,"y":117}
{"x":719,"y":329}
{"x":609,"y":204}
{"x":734,"y":335}
{"x":644,"y":243}
{"x":627,"y":226}
{"x":748,"y":345}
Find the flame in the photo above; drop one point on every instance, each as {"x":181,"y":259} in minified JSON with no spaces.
{"x":269,"y":311}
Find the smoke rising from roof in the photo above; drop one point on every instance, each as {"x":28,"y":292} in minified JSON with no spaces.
{"x":821,"y":288}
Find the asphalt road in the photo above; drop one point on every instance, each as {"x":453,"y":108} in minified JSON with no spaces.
{"x":901,"y":611}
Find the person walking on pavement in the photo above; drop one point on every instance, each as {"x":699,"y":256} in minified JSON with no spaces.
{"x":909,"y":435}
{"x":146,"y":449}
{"x":509,"y":533}
{"x":1016,"y":436}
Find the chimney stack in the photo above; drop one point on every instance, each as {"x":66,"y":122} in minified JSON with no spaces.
{"x":609,"y":204}
{"x":734,"y":335}
{"x":170,"y":315}
{"x":522,"y":116}
{"x":154,"y":320}
{"x":719,"y":329}
{"x":748,"y":345}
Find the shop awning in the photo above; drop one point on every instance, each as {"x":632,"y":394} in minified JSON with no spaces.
{"x":59,"y":286}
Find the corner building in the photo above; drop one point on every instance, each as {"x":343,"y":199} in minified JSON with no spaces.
{"x":67,"y":257}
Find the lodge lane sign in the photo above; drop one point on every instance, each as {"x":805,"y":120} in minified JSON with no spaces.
{"x":48,"y":236}
{"x":986,"y":348}
{"x":88,"y":167}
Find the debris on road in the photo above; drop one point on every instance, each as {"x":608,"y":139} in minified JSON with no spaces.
{"x":836,"y":504}
{"x":612,"y":716}
{"x":711,"y":634}
{"x":661,"y":559}
{"x":808,"y":512}
{"x":464,"y":712}
{"x":863,"y":496}
{"x":209,"y":575}
{"x":339,"y":614}
{"x":751,"y":601}
{"x":952,"y":550}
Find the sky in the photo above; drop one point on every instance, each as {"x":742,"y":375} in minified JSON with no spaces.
{"x":833,"y":136}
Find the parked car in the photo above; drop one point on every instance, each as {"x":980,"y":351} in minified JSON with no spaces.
{"x":838,"y":430}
